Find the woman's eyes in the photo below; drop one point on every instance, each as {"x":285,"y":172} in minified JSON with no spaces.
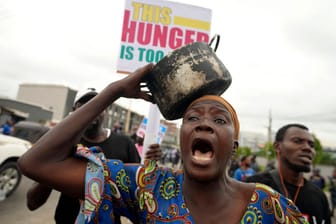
{"x":193,"y":118}
{"x":215,"y":120}
{"x":220,"y":121}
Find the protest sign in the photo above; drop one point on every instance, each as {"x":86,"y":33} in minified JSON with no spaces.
{"x":153,"y":28}
{"x":159,"y":135}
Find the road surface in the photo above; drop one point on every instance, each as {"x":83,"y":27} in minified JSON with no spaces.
{"x":14,"y":209}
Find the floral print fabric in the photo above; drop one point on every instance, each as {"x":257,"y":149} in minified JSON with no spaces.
{"x":152,"y":194}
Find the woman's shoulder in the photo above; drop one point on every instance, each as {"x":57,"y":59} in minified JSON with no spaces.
{"x":269,"y":202}
{"x":260,"y":187}
{"x":265,"y":192}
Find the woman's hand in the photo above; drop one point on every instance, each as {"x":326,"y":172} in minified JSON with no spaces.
{"x":133,"y":84}
{"x":53,"y":153}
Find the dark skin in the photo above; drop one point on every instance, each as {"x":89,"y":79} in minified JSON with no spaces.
{"x":207,"y":188}
{"x":53,"y":152}
{"x":207,"y":142}
{"x":245,"y":164}
{"x":38,"y":194}
{"x":296,"y":153}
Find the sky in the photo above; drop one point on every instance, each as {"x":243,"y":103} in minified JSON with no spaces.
{"x":281,"y":54}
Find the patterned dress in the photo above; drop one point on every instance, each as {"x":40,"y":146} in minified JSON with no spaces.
{"x":152,"y":194}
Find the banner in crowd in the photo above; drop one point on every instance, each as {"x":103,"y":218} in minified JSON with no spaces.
{"x":161,"y":133}
{"x":153,"y":28}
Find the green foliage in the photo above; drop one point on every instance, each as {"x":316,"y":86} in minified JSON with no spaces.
{"x":328,"y":159}
{"x":322,"y":157}
{"x":268,"y":151}
{"x":319,"y":151}
{"x":244,"y":151}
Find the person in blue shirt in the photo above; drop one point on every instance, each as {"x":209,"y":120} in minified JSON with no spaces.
{"x":244,"y":169}
{"x":317,"y":179}
{"x":6,"y":128}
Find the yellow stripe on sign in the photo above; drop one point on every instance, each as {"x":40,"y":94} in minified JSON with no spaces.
{"x":193,"y":23}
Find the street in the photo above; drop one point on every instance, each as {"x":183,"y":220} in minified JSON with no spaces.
{"x":14,"y":210}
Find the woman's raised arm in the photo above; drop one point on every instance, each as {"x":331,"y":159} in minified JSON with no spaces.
{"x":50,"y":160}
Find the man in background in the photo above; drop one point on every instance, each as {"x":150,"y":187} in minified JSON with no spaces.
{"x":317,"y":179}
{"x":244,"y":170}
{"x":254,"y":163}
{"x":114,"y":146}
{"x":294,"y":147}
{"x":332,"y":190}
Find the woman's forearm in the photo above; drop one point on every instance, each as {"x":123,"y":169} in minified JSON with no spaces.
{"x":50,"y":161}
{"x":37,"y":195}
{"x":67,"y":133}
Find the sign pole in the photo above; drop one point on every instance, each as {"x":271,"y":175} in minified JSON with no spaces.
{"x":152,"y":129}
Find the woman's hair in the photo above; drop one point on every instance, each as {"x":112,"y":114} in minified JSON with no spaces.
{"x":227,"y":105}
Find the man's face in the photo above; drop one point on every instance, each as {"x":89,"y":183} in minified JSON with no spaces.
{"x":94,"y":126}
{"x":248,"y":161}
{"x":206,"y":140}
{"x":297,"y":149}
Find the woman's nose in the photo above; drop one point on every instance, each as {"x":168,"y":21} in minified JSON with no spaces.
{"x":204,"y":126}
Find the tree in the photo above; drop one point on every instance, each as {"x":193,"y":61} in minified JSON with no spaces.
{"x":268,"y":151}
{"x":319,"y":151}
{"x":244,"y":151}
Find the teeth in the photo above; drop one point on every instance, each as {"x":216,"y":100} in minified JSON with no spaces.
{"x":198,"y":155}
{"x":202,"y":158}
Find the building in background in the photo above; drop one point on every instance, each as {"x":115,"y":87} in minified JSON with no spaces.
{"x":255,"y":141}
{"x":128,"y":119}
{"x":56,"y":98}
{"x":122,"y":116}
{"x":19,"y":110}
{"x":45,"y":103}
{"x":172,"y":136}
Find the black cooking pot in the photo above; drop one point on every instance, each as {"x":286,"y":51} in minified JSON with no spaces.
{"x":186,"y":74}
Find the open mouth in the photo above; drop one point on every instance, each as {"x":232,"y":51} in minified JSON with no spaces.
{"x":202,"y":150}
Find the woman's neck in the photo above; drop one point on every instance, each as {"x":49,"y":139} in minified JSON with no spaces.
{"x":206,"y":192}
{"x":217,"y":199}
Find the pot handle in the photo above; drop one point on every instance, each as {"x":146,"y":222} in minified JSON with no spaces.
{"x":217,"y":38}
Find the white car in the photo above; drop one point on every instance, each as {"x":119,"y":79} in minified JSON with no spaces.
{"x":11,"y":148}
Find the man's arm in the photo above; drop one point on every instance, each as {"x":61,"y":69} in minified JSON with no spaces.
{"x":37,"y":195}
